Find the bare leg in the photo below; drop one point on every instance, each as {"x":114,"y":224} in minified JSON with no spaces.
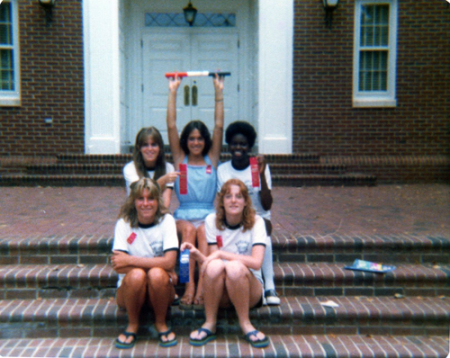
{"x":188,"y":233}
{"x":161,"y":293}
{"x":214,"y":285}
{"x":131,"y":296}
{"x":202,"y":245}
{"x":244,"y":291}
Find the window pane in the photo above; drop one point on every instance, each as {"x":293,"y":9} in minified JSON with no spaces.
{"x":373,"y":71}
{"x":374,"y":25}
{"x":156,"y":19}
{"x":5,"y":35}
{"x":5,"y":13}
{"x":6,"y":70}
{"x":5,"y":24}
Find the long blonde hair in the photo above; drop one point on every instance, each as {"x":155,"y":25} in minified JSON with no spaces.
{"x":248,"y":216}
{"x":128,"y":210}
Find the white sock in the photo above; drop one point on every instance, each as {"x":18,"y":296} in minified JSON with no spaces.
{"x":267,"y":266}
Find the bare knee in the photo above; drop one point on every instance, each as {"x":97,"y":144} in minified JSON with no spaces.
{"x":157,"y":277}
{"x":236,"y":270}
{"x":135,"y":278}
{"x":215,"y":270}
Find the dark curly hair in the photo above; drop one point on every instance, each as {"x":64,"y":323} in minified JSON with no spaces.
{"x":241,"y":127}
{"x":204,"y":132}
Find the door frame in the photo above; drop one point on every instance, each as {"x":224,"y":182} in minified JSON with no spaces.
{"x":106,"y":25}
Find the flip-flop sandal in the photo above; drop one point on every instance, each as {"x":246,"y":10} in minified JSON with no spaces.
{"x":176,"y":301}
{"x":166,"y":344}
{"x":124,"y":345}
{"x":201,"y":342}
{"x":257,"y":343}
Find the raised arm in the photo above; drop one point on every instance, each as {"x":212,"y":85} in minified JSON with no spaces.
{"x":216,"y":148}
{"x":172,"y":131}
{"x":265,"y":193}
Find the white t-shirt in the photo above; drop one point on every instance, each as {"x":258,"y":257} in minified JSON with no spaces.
{"x":226,"y":172}
{"x":235,"y":240}
{"x":130,"y":174}
{"x":151,"y":241}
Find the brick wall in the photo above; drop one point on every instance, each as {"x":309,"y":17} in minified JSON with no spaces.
{"x":324,"y":120}
{"x":52,"y":84}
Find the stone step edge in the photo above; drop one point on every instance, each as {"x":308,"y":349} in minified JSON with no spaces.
{"x":117,"y":179}
{"x":287,"y":275}
{"x":293,"y":310}
{"x":292,"y":243}
{"x":223,"y":156}
{"x":294,"y":346}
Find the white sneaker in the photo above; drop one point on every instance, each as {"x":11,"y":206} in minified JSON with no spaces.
{"x":271,"y":298}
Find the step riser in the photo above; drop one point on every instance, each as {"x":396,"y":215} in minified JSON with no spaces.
{"x":183,"y":322}
{"x":426,"y":250}
{"x":99,"y":281}
{"x":311,"y":290}
{"x":117,"y":180}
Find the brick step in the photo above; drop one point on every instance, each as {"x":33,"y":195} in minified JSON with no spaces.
{"x":92,"y":249}
{"x":293,"y":180}
{"x":313,"y":168}
{"x":376,"y":248}
{"x":293,"y":346}
{"x":116,"y":168}
{"x":75,"y":168}
{"x":295,"y":315}
{"x":124,"y":158}
{"x":62,"y":180}
{"x":348,"y":179}
{"x":291,"y":279}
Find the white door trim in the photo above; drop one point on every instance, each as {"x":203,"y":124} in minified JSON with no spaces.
{"x":275,"y":33}
{"x":102,"y":76}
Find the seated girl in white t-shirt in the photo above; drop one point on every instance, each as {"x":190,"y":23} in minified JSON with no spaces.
{"x":232,"y":270}
{"x":144,"y":255}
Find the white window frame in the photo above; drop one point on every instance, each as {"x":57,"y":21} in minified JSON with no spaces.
{"x":12,"y":98}
{"x":376,"y":98}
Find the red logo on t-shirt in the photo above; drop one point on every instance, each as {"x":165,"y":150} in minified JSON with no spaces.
{"x":131,"y":238}
{"x":219,"y":241}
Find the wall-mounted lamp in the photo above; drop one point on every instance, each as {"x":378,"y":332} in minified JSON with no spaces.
{"x":189,"y":13}
{"x":329,"y":6}
{"x":48,"y":8}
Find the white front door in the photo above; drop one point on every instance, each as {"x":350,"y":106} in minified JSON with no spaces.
{"x":188,"y":50}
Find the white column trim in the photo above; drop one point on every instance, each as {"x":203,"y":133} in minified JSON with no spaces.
{"x":275,"y":32}
{"x":102,"y":76}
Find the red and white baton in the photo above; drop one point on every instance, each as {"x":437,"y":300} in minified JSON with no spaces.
{"x":196,"y":74}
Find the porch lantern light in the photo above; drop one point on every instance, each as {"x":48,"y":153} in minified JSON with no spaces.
{"x":48,"y":8}
{"x":329,"y":6}
{"x":189,"y":13}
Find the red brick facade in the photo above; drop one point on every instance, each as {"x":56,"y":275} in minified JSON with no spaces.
{"x":51,"y":68}
{"x":324,"y":120}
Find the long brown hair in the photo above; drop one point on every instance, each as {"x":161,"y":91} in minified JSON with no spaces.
{"x":141,"y":138}
{"x":248,"y":216}
{"x":128,"y":210}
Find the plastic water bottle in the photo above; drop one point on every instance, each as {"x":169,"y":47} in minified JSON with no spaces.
{"x":184,"y":266}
